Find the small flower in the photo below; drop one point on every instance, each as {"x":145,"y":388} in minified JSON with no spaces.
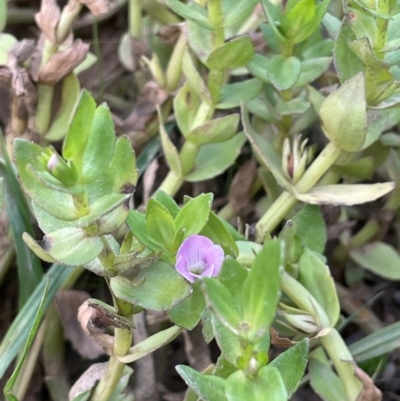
{"x":198,"y":257}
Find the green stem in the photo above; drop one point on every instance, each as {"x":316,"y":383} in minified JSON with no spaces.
{"x":68,"y":16}
{"x":135,"y":19}
{"x":304,"y":299}
{"x":286,"y":200}
{"x":174,"y":70}
{"x":188,"y":156}
{"x":342,"y":361}
{"x":171,"y":183}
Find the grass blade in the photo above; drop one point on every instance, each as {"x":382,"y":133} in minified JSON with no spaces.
{"x":29,"y":266}
{"x":31,"y":336}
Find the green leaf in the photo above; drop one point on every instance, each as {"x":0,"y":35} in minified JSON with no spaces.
{"x":189,"y":312}
{"x":194,"y":79}
{"x":160,"y":224}
{"x":284,"y":72}
{"x":209,"y":388}
{"x":222,"y":303}
{"x":69,"y":246}
{"x":347,"y":64}
{"x":380,"y":258}
{"x":232,"y":275}
{"x":261,"y":289}
{"x":17,"y":333}
{"x":265,"y":152}
{"x":325,"y":382}
{"x":214,"y":131}
{"x":362,"y":168}
{"x":192,"y":12}
{"x":311,"y":69}
{"x":121,"y":174}
{"x":310,"y":18}
{"x":186,"y":105}
{"x":7,"y":42}
{"x":292,"y":364}
{"x":100,"y":145}
{"x":79,"y":129}
{"x":18,"y":214}
{"x":233,"y":54}
{"x":276,"y":20}
{"x":299,"y":16}
{"x":268,"y":381}
{"x":344,"y":115}
{"x":31,"y":337}
{"x":247,"y":252}
{"x":167,"y":201}
{"x":259,"y":67}
{"x":214,"y":159}
{"x":311,"y":227}
{"x":233,"y":94}
{"x":218,"y":233}
{"x":194,"y":214}
{"x":150,"y":344}
{"x":69,"y":97}
{"x":316,"y":278}
{"x":170,"y":151}
{"x":376,"y":344}
{"x":228,"y":342}
{"x":200,"y":40}
{"x":345,"y":194}
{"x":166,"y":286}
{"x":137,"y":223}
{"x":236,"y":11}
{"x":59,"y":204}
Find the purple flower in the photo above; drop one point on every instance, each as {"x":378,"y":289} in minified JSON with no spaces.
{"x":198,"y":257}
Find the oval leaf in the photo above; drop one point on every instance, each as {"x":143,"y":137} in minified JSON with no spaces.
{"x":344,"y":194}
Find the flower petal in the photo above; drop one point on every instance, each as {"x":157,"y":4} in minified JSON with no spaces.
{"x":214,"y":256}
{"x":182,"y":268}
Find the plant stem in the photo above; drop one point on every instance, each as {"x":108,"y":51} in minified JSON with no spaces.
{"x":342,"y":361}
{"x":286,"y":200}
{"x":304,"y":299}
{"x":135,"y":19}
{"x":171,"y":184}
{"x":174,"y":70}
{"x":114,"y":369}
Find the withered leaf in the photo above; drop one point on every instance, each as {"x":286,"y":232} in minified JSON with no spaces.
{"x":105,"y":340}
{"x":47,"y":19}
{"x":68,"y":303}
{"x":239,"y":192}
{"x":62,"y":63}
{"x":145,"y":108}
{"x":87,"y":380}
{"x":170,"y":33}
{"x":280,"y":342}
{"x":23,"y":49}
{"x":369,"y":391}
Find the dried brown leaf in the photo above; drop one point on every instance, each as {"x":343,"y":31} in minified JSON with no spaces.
{"x":369,"y":391}
{"x":131,"y":50}
{"x":87,"y":380}
{"x":62,"y":63}
{"x":239,"y":192}
{"x":149,"y":177}
{"x":170,"y":33}
{"x":68,"y":303}
{"x":85,"y":315}
{"x":23,"y":49}
{"x":145,"y":108}
{"x":280,"y":342}
{"x":47,"y":19}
